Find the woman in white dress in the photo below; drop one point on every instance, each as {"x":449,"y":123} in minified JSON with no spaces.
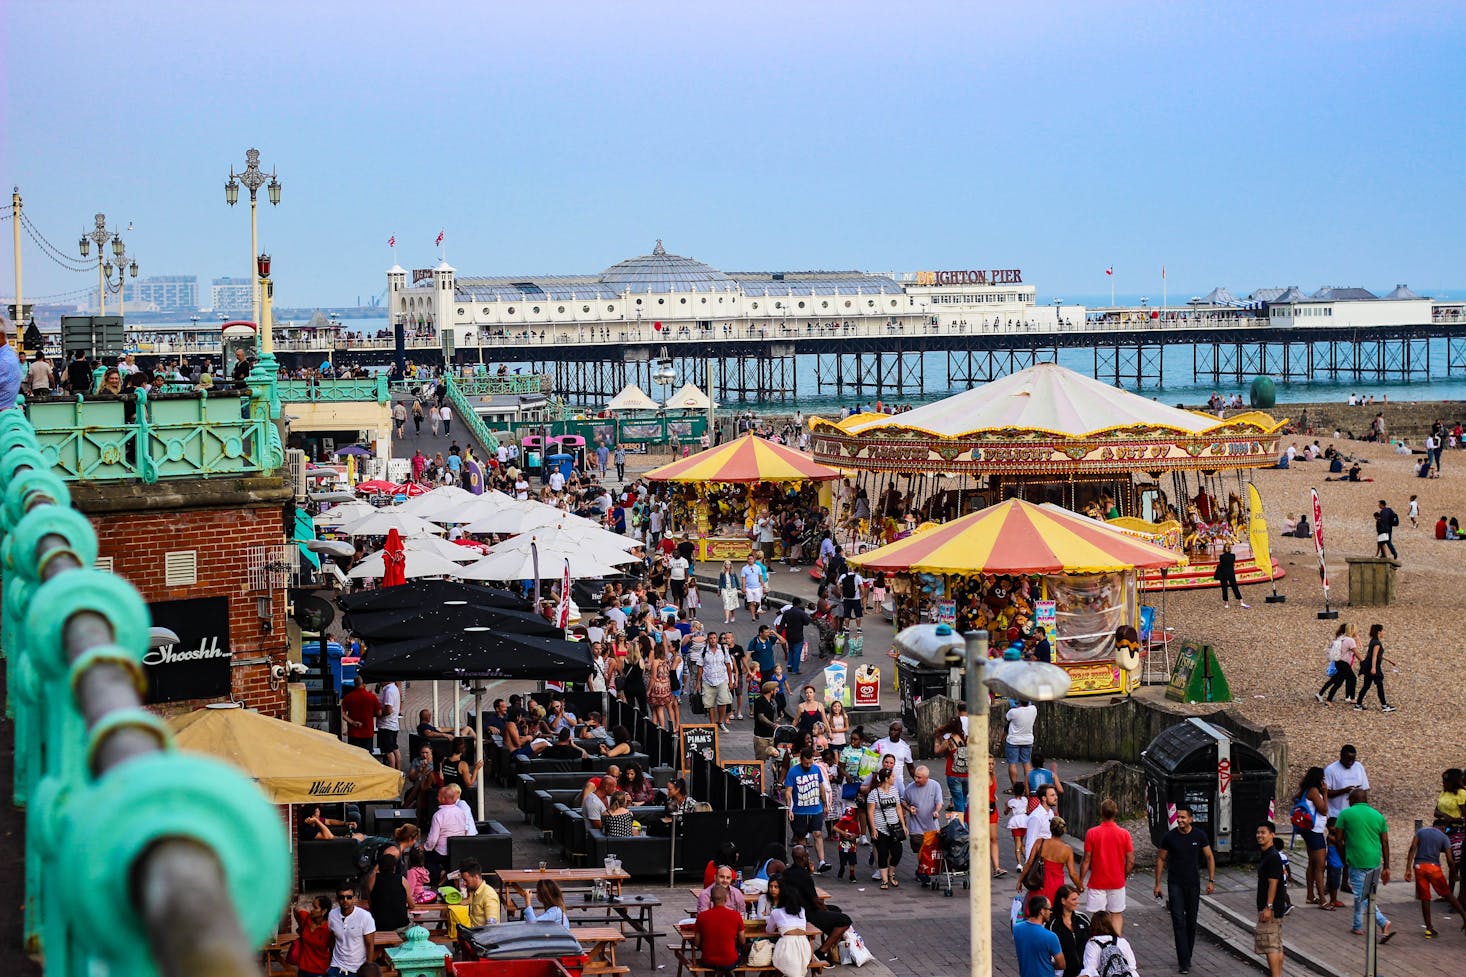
{"x":793,"y":951}
{"x":730,"y":588}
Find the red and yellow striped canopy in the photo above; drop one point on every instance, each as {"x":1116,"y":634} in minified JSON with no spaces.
{"x":747,"y":459}
{"x":1019,"y":537}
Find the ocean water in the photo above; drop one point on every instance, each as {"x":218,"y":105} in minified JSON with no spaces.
{"x":1176,"y":382}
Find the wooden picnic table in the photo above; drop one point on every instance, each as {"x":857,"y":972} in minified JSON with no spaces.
{"x":636,"y":911}
{"x":521,"y":882}
{"x":755,"y":928}
{"x":823,"y":894}
{"x":271,"y":953}
{"x":599,"y":943}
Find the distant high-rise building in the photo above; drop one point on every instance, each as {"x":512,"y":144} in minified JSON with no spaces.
{"x":232,"y":297}
{"x":170,"y":293}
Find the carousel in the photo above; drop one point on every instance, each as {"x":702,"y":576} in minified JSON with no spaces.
{"x":725,"y":494}
{"x":1043,"y":581}
{"x":1046,"y":434}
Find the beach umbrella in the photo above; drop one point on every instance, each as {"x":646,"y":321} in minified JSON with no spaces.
{"x":353,"y":451}
{"x":383,"y":521}
{"x":410,"y":489}
{"x":416,"y":593}
{"x":436,"y":501}
{"x":438,"y":546}
{"x":529,"y":558}
{"x":394,"y":561}
{"x":377,"y":486}
{"x":415,"y":563}
{"x":411,"y":623}
{"x":523,"y":516}
{"x":345,"y":512}
{"x":478,"y":651}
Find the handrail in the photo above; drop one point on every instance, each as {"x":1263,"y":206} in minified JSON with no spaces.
{"x":335,"y":390}
{"x":184,"y":853}
{"x":469,"y":417}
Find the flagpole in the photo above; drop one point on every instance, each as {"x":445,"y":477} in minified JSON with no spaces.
{"x":1163,"y":288}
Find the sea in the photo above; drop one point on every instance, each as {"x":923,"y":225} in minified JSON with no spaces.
{"x":1176,"y":384}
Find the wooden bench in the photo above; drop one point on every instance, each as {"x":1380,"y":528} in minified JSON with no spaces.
{"x":687,"y":960}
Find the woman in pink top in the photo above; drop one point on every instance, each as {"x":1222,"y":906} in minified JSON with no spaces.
{"x":1341,"y":653}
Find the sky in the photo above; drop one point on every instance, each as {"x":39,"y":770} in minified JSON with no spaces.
{"x":1239,"y":144}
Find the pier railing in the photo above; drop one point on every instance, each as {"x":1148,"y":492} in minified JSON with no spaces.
{"x":468,"y":416}
{"x":136,"y":436}
{"x":183,"y":862}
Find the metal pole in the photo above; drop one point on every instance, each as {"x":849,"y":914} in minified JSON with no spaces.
{"x":980,"y":906}
{"x":101,"y":286}
{"x":19,"y":297}
{"x":254,"y":250}
{"x":478,"y":730}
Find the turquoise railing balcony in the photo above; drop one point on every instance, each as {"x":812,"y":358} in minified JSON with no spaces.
{"x":148,"y":438}
{"x":334,"y":391}
{"x":470,"y":417}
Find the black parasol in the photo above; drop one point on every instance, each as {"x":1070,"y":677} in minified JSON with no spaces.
{"x":478,"y":652}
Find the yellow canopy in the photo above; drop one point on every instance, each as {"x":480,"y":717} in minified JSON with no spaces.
{"x":747,"y":459}
{"x":292,"y":764}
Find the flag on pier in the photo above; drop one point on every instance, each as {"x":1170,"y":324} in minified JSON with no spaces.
{"x":439,"y":240}
{"x":392,"y":241}
{"x":1110,"y":270}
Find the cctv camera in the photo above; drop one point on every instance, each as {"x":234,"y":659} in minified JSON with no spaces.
{"x":277,"y":671}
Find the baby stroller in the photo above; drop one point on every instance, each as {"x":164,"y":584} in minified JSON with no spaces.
{"x":950,"y":857}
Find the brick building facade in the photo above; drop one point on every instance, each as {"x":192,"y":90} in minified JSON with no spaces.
{"x":192,"y":541}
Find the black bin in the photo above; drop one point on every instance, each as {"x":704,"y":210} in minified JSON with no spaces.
{"x":919,"y":682}
{"x":1228,"y":785}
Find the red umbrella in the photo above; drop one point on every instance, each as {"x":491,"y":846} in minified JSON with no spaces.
{"x":410,"y":489}
{"x":377,"y":486}
{"x":395,"y":560}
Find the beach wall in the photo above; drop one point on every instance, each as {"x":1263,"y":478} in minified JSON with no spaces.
{"x":1411,"y":421}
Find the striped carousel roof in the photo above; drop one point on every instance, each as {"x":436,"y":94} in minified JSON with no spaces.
{"x":747,"y":459}
{"x":1018,"y":537}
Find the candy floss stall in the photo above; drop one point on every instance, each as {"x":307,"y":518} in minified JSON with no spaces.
{"x":1019,"y":570}
{"x":721,"y":493}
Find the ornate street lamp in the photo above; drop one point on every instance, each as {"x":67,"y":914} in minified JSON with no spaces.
{"x":100,"y":235}
{"x":252,"y":177}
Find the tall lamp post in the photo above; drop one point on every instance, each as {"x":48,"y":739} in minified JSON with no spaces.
{"x":1035,"y":681}
{"x":252,"y":177}
{"x":125,"y":264}
{"x":100,"y":235}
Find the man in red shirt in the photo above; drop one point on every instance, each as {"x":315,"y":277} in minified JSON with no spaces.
{"x":1109,"y":858}
{"x":719,"y":933}
{"x":359,"y":709}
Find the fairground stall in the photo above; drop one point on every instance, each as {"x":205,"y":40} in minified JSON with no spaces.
{"x":726,"y":493}
{"x":1046,"y":434}
{"x":1027,"y":574}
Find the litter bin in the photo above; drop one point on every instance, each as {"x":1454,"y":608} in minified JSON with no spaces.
{"x":1228,"y":785}
{"x":564,"y":462}
{"x":919,"y":681}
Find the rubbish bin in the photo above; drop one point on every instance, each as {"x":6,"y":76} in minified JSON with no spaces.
{"x":918,"y":682}
{"x":566,"y":464}
{"x":1228,"y":785}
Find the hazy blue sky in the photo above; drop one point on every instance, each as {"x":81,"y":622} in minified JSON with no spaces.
{"x":1245,"y":144}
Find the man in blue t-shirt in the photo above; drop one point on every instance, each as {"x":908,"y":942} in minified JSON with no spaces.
{"x":1038,"y":949}
{"x":761,"y":650}
{"x":804,"y":795}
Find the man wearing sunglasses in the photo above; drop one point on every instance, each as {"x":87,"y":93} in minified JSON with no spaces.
{"x":353,"y":934}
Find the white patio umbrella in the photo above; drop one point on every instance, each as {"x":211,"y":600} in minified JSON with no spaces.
{"x":441,"y":547}
{"x":434,"y":502}
{"x":521,"y":517}
{"x":524,"y":557}
{"x":383,"y":521}
{"x":475,"y":507}
{"x":418,"y":563}
{"x":344,"y":513}
{"x":587,"y":533}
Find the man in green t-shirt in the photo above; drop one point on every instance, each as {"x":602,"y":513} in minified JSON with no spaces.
{"x":1367,"y":846}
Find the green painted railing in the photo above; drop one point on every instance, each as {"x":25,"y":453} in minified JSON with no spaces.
{"x":148,"y":438}
{"x":463,"y":411}
{"x":484,"y":385}
{"x":335,"y":391}
{"x":187,"y":856}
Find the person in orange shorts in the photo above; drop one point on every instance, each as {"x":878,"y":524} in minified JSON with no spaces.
{"x":1424,"y":864}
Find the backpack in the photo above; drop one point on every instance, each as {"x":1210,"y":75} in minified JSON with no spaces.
{"x":1301,"y":819}
{"x":847,"y":587}
{"x":1112,"y":962}
{"x":1336,"y":649}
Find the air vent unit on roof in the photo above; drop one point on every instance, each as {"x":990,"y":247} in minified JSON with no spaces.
{"x":103,"y":563}
{"x":181,"y":568}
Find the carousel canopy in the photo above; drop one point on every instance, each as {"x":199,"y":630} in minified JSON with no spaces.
{"x":748,"y":459}
{"x":632,"y":397}
{"x":1046,"y":421}
{"x":1019,"y":537}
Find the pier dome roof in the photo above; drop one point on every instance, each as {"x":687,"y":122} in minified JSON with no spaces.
{"x":663,"y":272}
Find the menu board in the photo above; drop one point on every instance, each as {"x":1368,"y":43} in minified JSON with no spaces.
{"x":698,"y":738}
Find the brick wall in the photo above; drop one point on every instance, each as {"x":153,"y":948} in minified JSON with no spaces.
{"x":222,"y":538}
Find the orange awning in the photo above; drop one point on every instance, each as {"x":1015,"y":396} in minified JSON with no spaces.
{"x":747,"y":459}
